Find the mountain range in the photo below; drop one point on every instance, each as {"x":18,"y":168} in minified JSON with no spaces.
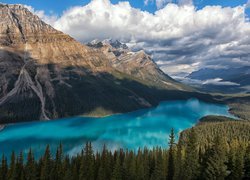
{"x":233,"y":80}
{"x":46,"y":74}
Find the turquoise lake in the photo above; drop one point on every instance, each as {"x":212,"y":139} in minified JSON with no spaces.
{"x":147,"y":127}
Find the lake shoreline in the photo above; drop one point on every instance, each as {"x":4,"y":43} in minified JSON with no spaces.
{"x":146,"y":127}
{"x":111,"y":114}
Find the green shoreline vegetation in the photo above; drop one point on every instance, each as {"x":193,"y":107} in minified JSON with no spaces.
{"x":210,"y":150}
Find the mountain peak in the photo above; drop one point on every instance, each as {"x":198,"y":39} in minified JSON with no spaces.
{"x":19,"y":25}
{"x":116,"y":44}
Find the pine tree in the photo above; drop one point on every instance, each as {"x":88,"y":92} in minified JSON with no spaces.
{"x":3,"y":169}
{"x":19,"y":167}
{"x":12,"y":173}
{"x":247,"y":163}
{"x":75,"y":171}
{"x":238,"y":170}
{"x":140,"y":166}
{"x":191,"y":162}
{"x":179,"y":162}
{"x":103,"y":171}
{"x":68,"y":170}
{"x":30,"y":168}
{"x":87,"y":163}
{"x":158,"y":173}
{"x":216,"y":162}
{"x":146,"y":164}
{"x":130,"y":165}
{"x":117,"y":172}
{"x":171,"y":154}
{"x":46,"y":165}
{"x":236,"y":161}
{"x":57,"y":170}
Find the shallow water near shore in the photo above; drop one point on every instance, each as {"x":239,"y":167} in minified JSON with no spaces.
{"x":146,"y":127}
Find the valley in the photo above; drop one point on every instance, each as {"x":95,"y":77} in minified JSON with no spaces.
{"x":173,"y":102}
{"x":46,"y":74}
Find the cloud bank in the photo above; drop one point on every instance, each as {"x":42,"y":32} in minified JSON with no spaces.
{"x":161,"y":3}
{"x":198,"y":83}
{"x":180,"y":37}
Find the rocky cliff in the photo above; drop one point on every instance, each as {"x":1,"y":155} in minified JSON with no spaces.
{"x":46,"y":74}
{"x":137,"y":64}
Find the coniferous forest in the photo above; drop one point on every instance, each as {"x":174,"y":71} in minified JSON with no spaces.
{"x":221,"y":151}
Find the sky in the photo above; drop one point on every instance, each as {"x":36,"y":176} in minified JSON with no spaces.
{"x":57,"y":7}
{"x":181,"y":35}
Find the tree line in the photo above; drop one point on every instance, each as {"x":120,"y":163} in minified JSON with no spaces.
{"x":220,"y":158}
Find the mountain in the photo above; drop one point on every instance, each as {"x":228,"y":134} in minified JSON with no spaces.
{"x":46,"y":74}
{"x":233,"y":80}
{"x":137,"y":64}
{"x":226,"y":74}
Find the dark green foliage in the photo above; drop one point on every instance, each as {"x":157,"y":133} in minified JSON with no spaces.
{"x":46,"y":165}
{"x":247,"y":163}
{"x":191,"y":164}
{"x":212,"y":119}
{"x":117,"y":172}
{"x":58,"y":167}
{"x":215,"y":162}
{"x":236,"y":160}
{"x":3,"y":169}
{"x":20,"y":167}
{"x":87,"y":163}
{"x":171,"y":163}
{"x":30,"y":167}
{"x":12,"y":173}
{"x":231,"y":130}
{"x":218,"y":157}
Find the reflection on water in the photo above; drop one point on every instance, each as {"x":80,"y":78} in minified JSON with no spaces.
{"x":148,"y":127}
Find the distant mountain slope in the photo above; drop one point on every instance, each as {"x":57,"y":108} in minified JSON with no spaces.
{"x":137,"y":64}
{"x":46,"y":74}
{"x":226,"y":74}
{"x":238,"y":79}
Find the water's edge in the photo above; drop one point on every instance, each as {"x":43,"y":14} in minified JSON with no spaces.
{"x":145,"y":127}
{"x":3,"y":126}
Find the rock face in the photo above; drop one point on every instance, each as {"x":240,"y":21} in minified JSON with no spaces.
{"x":137,"y":64}
{"x":46,"y":74}
{"x":22,"y":31}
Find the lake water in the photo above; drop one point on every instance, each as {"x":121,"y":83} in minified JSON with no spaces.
{"x":147,"y":127}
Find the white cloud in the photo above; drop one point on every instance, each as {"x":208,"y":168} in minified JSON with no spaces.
{"x":185,"y":2}
{"x":161,"y":3}
{"x":219,"y":81}
{"x":247,"y":5}
{"x":180,"y":38}
{"x":198,"y":83}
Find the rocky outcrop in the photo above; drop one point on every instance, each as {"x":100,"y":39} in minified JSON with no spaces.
{"x":22,"y":31}
{"x":46,"y":74}
{"x":137,"y":64}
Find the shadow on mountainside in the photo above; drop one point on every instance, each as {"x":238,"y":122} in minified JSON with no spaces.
{"x":32,"y":91}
